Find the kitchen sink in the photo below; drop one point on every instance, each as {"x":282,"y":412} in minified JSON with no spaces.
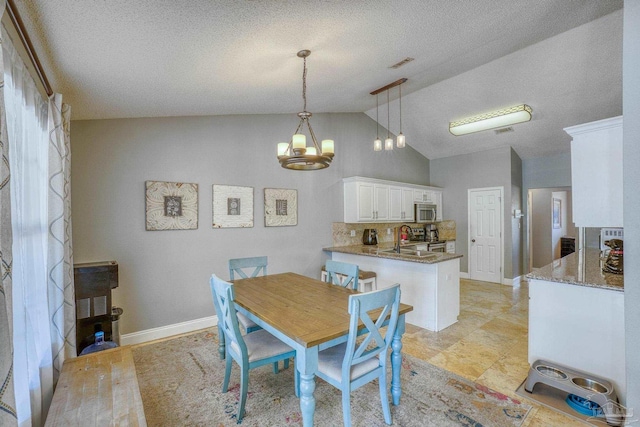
{"x":422,"y":253}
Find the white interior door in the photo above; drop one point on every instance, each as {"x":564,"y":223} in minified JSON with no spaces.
{"x":485,"y":234}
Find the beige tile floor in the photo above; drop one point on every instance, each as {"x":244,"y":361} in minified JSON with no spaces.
{"x":487,"y":345}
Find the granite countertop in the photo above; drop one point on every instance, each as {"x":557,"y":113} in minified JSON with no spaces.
{"x":376,"y":251}
{"x":582,"y":268}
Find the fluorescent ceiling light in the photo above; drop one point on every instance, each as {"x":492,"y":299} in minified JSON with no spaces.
{"x":492,"y":120}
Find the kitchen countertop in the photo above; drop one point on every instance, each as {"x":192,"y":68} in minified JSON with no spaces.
{"x":375,"y":251}
{"x":582,"y":268}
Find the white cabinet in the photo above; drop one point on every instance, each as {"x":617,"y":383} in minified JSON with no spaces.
{"x":373,"y":200}
{"x":401,"y":204}
{"x":451,"y":247}
{"x":437,"y":196}
{"x":366,"y":202}
{"x":596,"y":173}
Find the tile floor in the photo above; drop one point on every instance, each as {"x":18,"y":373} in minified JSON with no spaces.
{"x":487,"y":345}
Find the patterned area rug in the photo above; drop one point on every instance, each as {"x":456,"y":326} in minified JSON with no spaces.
{"x":181,"y":379}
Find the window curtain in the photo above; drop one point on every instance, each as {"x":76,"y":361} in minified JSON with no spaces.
{"x":8,"y":414}
{"x":43,"y":301}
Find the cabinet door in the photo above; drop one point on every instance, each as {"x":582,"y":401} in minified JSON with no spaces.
{"x":418,"y":196}
{"x":407,"y":205}
{"x":428,"y":196}
{"x":381,"y":202}
{"x":437,"y":199}
{"x":395,"y":204}
{"x":365,"y":202}
{"x":451,"y":247}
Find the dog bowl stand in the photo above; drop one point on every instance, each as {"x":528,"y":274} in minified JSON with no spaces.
{"x":587,"y":386}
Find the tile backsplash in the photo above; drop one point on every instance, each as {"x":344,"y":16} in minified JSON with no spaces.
{"x":342,"y":231}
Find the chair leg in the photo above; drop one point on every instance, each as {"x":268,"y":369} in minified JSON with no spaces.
{"x":275,"y":367}
{"x":244,"y":384}
{"x":286,"y":363}
{"x":221,"y":349}
{"x":227,"y":374}
{"x":382,"y":381}
{"x":346,"y":407}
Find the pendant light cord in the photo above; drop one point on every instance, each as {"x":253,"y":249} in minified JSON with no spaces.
{"x":388,"y":109}
{"x":400,"y":89}
{"x":377,"y":120}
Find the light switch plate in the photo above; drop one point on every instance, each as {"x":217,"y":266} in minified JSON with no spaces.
{"x":353,"y":233}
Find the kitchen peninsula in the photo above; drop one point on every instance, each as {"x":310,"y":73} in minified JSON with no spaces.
{"x":576,"y":316}
{"x":429,"y":281}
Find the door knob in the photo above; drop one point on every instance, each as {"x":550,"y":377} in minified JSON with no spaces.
{"x":473,"y":240}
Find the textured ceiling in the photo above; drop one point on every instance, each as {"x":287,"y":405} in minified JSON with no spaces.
{"x":149,"y":58}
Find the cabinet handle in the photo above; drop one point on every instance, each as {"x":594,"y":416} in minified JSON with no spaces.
{"x":473,"y":240}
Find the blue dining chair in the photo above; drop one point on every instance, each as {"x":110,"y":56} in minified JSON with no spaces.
{"x":237,"y":266}
{"x":350,"y":365}
{"x":342,"y":274}
{"x":249,"y":351}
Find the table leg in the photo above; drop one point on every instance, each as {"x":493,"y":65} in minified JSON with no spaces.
{"x":396,"y":361}
{"x":307,"y":364}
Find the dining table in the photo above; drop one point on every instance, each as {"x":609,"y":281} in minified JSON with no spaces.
{"x":309,"y":315}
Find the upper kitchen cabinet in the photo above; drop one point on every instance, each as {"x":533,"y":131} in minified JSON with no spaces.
{"x":401,"y":204}
{"x":596,"y":173}
{"x":374,"y":200}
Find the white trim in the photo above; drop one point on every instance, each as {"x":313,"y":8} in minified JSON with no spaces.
{"x":168,"y":331}
{"x":464,"y":275}
{"x":516,"y":281}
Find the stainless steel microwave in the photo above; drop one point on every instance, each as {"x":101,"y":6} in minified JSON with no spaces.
{"x":425,"y":212}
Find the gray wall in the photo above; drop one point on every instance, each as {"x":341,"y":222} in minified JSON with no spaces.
{"x":541,"y":227}
{"x":516,"y":224}
{"x":164,"y":274}
{"x":457,"y":174}
{"x":631,"y":176}
{"x":542,"y":172}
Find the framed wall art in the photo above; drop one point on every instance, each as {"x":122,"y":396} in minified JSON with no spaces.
{"x":280,"y":207}
{"x":171,"y":205}
{"x":232,"y":206}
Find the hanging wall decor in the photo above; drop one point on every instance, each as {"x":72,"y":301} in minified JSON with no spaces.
{"x":280,"y":207}
{"x":232,"y":206}
{"x":171,"y":205}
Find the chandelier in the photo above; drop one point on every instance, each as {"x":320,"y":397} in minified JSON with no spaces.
{"x":295,"y":154}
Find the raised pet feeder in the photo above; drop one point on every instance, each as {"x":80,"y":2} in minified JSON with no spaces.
{"x":588,"y":390}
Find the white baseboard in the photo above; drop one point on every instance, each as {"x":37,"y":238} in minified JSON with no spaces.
{"x":464,"y":275}
{"x":515,"y":282}
{"x":168,"y":331}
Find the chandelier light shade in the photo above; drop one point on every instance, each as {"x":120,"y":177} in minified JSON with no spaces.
{"x":495,"y":119}
{"x":388,"y":143}
{"x":295,"y":154}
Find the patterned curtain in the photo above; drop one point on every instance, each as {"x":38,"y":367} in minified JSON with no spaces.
{"x":8,"y":415}
{"x":60,"y":256}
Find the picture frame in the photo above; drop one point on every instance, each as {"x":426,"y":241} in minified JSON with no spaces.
{"x":557,"y":213}
{"x":280,"y":207}
{"x":171,"y":206}
{"x":232,"y":206}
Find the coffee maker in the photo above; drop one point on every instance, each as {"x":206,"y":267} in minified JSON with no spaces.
{"x":370,"y":236}
{"x":431,"y":233}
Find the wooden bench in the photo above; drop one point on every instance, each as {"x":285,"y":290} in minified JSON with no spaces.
{"x":98,"y":389}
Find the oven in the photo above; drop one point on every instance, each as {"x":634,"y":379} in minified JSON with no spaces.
{"x":425,"y":212}
{"x":437,"y":246}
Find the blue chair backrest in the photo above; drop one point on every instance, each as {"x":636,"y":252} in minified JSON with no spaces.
{"x":223,"y":296}
{"x":237,"y":265}
{"x":350,"y":273}
{"x":373,"y":343}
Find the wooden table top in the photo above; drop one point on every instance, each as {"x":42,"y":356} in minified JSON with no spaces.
{"x":307,"y":310}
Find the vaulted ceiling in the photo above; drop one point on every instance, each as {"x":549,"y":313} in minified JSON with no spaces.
{"x":150,"y":58}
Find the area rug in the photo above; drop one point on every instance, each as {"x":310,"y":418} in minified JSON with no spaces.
{"x":181,"y":379}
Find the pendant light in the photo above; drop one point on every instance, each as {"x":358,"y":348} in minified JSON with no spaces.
{"x":388,"y":143}
{"x":295,"y":154}
{"x":377,"y":144}
{"x":400,"y":140}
